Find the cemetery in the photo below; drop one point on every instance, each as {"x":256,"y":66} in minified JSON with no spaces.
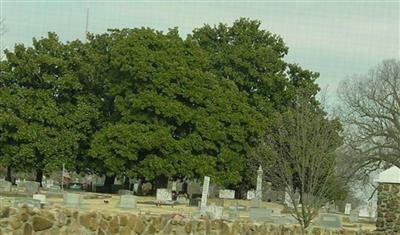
{"x":202,"y":129}
{"x":32,"y":210}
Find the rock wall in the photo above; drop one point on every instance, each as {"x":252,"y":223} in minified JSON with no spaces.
{"x":388,"y":219}
{"x":59,"y":220}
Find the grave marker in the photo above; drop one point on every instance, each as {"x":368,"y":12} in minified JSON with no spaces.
{"x":5,"y":186}
{"x":204,"y":194}
{"x":329,"y":221}
{"x":347,"y":209}
{"x":163,"y":195}
{"x":353,"y":218}
{"x":259,"y":183}
{"x":227,"y":194}
{"x":127,"y":201}
{"x":251,"y":194}
{"x":73,"y":200}
{"x":40,"y":197}
{"x":30,"y":202}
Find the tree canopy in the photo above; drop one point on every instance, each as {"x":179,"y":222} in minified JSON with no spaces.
{"x":146,"y":103}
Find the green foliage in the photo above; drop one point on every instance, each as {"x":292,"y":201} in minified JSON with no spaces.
{"x":143,"y":103}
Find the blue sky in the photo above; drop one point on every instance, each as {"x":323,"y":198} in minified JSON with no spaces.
{"x":335,"y":38}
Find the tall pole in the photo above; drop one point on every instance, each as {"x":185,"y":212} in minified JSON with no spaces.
{"x":62,"y":177}
{"x":87,"y":23}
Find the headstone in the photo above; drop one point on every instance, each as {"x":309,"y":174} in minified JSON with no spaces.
{"x":215,"y":212}
{"x":259,"y":183}
{"x":40,"y":197}
{"x":227,"y":193}
{"x":174,"y":186}
{"x":284,"y":219}
{"x":136,"y":187}
{"x":127,"y":201}
{"x":255,"y":203}
{"x":54,"y":188}
{"x":49,"y":183}
{"x":125,"y":192}
{"x":204,"y":195}
{"x":5,"y":186}
{"x":347,"y":209}
{"x":73,"y":200}
{"x":30,"y":202}
{"x":288,"y":201}
{"x":353,"y":218}
{"x":261,"y":214}
{"x":29,"y":187}
{"x":251,"y":194}
{"x":163,"y":195}
{"x":363,"y":212}
{"x":329,"y":221}
{"x":182,"y":200}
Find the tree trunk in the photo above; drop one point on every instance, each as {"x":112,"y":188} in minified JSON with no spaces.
{"x":108,"y":183}
{"x":39,"y":176}
{"x":126,"y":183}
{"x":8,"y":176}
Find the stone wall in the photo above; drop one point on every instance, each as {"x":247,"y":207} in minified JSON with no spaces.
{"x":59,"y":220}
{"x":388,"y":208}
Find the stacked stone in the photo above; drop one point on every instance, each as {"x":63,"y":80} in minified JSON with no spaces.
{"x":59,"y":220}
{"x":388,"y":219}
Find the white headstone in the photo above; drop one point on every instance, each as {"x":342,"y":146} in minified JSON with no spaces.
{"x":259,"y":182}
{"x":251,"y":194}
{"x":73,"y":200}
{"x":288,"y":201}
{"x":363,"y":212}
{"x":5,"y":186}
{"x":204,"y":194}
{"x":40,"y":197}
{"x":173,"y":186}
{"x":127,"y":201}
{"x":347,"y":209}
{"x":227,"y":193}
{"x":215,"y":211}
{"x":163,"y":195}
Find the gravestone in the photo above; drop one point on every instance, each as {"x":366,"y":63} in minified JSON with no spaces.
{"x":204,"y":194}
{"x":136,"y":187}
{"x":347,"y":209}
{"x":284,"y":219}
{"x":41,"y":198}
{"x":125,"y":192}
{"x":73,"y":200}
{"x":30,"y":202}
{"x":251,"y":194}
{"x":5,"y":186}
{"x":54,"y":189}
{"x":182,"y":200}
{"x":49,"y":183}
{"x":194,"y":202}
{"x":29,"y":187}
{"x":363,"y":212}
{"x":353,"y":217}
{"x":255,"y":203}
{"x":264,"y":214}
{"x":259,"y":183}
{"x":163,"y":195}
{"x":227,"y":194}
{"x":127,"y":201}
{"x":215,"y":212}
{"x":329,"y":221}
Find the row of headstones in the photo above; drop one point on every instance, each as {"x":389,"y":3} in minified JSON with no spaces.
{"x":29,"y":187}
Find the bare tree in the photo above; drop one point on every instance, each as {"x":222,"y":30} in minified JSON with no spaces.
{"x":299,"y":156}
{"x":371,"y":111}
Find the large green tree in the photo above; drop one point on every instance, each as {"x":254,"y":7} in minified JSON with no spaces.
{"x":47,"y":113}
{"x":178,"y":119}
